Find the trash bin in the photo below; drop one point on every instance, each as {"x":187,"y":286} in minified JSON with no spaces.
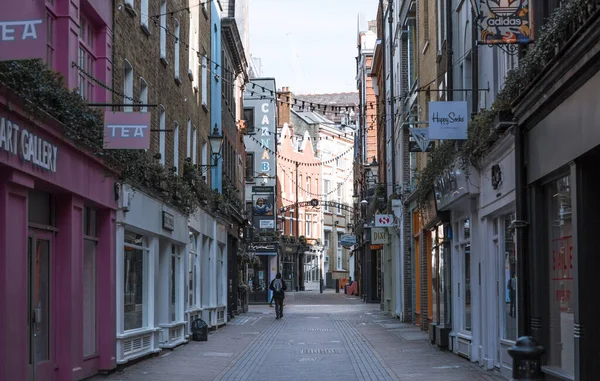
{"x":199,"y":330}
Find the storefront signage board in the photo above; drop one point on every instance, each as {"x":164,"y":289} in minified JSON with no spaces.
{"x":126,"y":130}
{"x":27,"y":145}
{"x":23,"y":33}
{"x":448,"y":120}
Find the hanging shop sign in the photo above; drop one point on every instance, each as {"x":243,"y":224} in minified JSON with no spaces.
{"x":22,"y":30}
{"x":28,"y":146}
{"x":506,"y":22}
{"x":263,"y":189}
{"x":380,"y":236}
{"x":263,"y":214}
{"x":421,"y":140}
{"x":448,"y":120}
{"x":348,"y":240}
{"x":376,"y":247}
{"x":126,"y":130}
{"x":384,"y":220}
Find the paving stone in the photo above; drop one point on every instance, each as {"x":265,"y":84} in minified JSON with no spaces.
{"x":322,"y":336}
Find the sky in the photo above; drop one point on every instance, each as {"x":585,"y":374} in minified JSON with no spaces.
{"x":309,"y":46}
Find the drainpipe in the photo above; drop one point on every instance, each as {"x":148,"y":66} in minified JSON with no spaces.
{"x":383,"y":90}
{"x":520,"y":224}
{"x":475,"y":61}
{"x":449,"y":53}
{"x":391,"y":31}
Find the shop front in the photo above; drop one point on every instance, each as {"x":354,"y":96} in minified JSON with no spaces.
{"x":152,"y":248}
{"x":455,"y":255}
{"x":559,"y":236}
{"x":57,"y":223}
{"x":262,"y":271}
{"x":497,"y":305}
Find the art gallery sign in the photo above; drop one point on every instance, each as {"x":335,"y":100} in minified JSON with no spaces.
{"x":28,"y":146}
{"x":22,"y":30}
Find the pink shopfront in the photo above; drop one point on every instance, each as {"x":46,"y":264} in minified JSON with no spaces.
{"x":57,"y":240}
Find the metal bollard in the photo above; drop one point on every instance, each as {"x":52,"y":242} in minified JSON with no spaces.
{"x":527,"y":356}
{"x":337,"y":286}
{"x":321,"y":285}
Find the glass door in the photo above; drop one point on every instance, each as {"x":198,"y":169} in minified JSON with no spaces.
{"x":39,"y":249}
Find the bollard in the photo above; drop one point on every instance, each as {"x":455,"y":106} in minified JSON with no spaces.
{"x":337,"y":286}
{"x":321,"y":285}
{"x":527,"y":356}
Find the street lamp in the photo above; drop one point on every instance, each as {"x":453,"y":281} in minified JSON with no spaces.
{"x":355,"y":197}
{"x":216,"y":143}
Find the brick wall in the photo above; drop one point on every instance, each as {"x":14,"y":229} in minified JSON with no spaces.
{"x":141,"y":48}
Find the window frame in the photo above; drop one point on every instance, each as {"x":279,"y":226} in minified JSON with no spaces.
{"x":127,"y":85}
{"x":163,"y":30}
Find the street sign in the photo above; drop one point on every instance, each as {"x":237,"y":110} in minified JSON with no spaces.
{"x":384,"y":220}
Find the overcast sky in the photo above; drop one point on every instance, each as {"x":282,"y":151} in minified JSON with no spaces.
{"x":309,"y":45}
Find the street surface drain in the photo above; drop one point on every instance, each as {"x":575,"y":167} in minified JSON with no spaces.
{"x":216,"y":354}
{"x":318,"y":351}
{"x":318,"y":329}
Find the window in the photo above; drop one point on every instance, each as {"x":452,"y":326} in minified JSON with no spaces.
{"x":250,"y":166}
{"x":90,"y":338}
{"x":292,"y":232}
{"x":50,"y":40}
{"x":561,"y":351}
{"x":162,"y":135}
{"x":177,"y":44}
{"x":204,"y":81}
{"x":204,"y":154}
{"x":308,"y":226}
{"x":339,"y":197}
{"x":249,"y":118}
{"x":308,"y":187}
{"x":339,"y":240}
{"x":173,"y":287}
{"x":193,"y":272}
{"x":87,"y":59}
{"x":283,"y":176}
{"x":144,"y":14}
{"x":465,"y":293}
{"x":326,"y":185}
{"x":176,"y":146}
{"x":188,"y":141}
{"x":128,"y":86}
{"x":135,"y":270}
{"x":194,"y":145}
{"x":327,"y":239}
{"x":509,"y":279}
{"x":163,"y":30}
{"x":143,"y":94}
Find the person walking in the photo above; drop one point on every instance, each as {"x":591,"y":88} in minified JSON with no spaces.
{"x":278,"y":287}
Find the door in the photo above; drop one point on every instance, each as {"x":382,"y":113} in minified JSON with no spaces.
{"x":500,"y":296}
{"x":39,"y":253}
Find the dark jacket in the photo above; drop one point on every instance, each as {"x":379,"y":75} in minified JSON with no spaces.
{"x":283,"y":288}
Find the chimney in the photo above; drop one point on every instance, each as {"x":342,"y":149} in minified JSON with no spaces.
{"x":284,"y":102}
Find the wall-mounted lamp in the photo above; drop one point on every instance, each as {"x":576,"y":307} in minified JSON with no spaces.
{"x":216,"y":143}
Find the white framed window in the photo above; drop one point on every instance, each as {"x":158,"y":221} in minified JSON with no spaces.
{"x":307,"y":187}
{"x":194,"y":145}
{"x":163,"y":29}
{"x":339,"y":197}
{"x":176,"y":146}
{"x":144,"y":14}
{"x":143,"y":94}
{"x":174,"y":284}
{"x":177,"y":45}
{"x":162,"y":135}
{"x":128,"y":86}
{"x":308,"y":226}
{"x":188,"y":142}
{"x":326,"y":185}
{"x":327,"y":239}
{"x":135,"y":301}
{"x":204,"y":81}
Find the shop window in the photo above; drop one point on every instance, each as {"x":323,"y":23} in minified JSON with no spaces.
{"x":90,"y":289}
{"x":135,"y":273}
{"x":509,"y":280}
{"x":40,"y":208}
{"x":561,"y":351}
{"x":174,"y":281}
{"x":193,"y":272}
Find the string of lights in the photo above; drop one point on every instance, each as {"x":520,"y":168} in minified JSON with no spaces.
{"x":297,"y":162}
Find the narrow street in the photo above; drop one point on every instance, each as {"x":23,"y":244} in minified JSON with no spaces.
{"x":330,"y":336}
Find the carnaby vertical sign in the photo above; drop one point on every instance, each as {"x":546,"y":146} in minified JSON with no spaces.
{"x":260,"y":97}
{"x":22,"y":29}
{"x":506,"y":21}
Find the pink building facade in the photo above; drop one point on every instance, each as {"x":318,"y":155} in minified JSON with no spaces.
{"x":57,"y":215}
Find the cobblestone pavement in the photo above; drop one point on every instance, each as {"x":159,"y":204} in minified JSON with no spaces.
{"x":326,"y":336}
